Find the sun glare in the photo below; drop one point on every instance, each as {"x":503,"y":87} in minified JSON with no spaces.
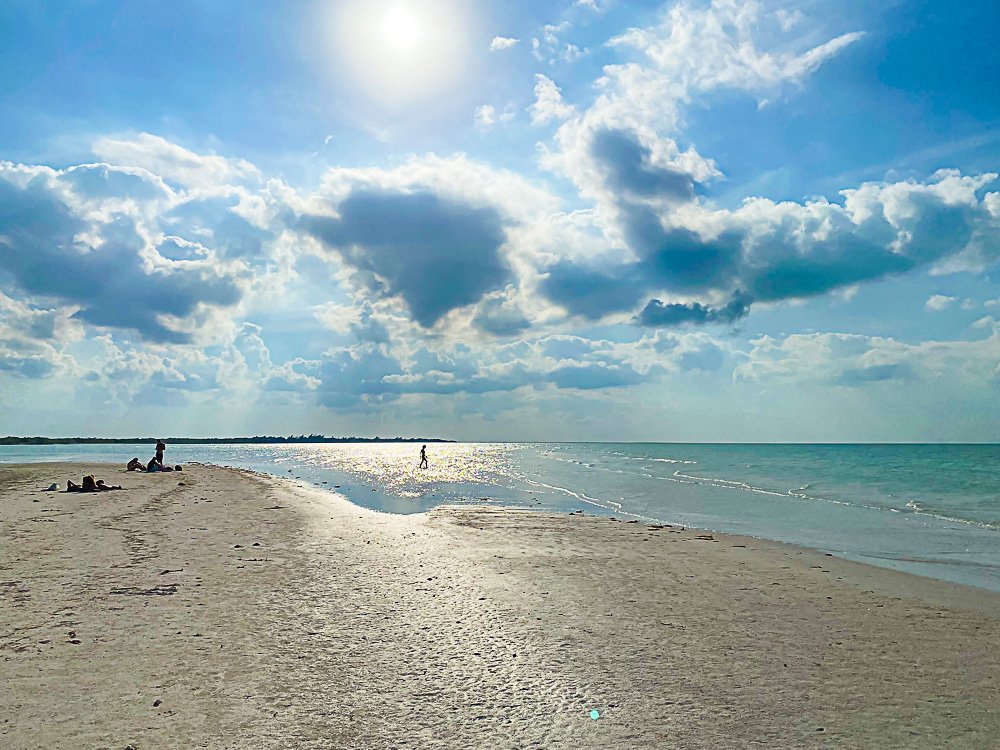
{"x":400,"y":51}
{"x":400,"y":29}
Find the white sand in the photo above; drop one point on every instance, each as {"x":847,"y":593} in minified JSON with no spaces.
{"x":466,"y":628}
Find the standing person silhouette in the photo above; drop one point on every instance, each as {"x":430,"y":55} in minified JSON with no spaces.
{"x":160,"y":447}
{"x":423,"y":457}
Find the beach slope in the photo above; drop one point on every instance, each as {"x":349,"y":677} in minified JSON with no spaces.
{"x":216,"y":608}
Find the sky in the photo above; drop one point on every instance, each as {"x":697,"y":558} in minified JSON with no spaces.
{"x":704,"y":220}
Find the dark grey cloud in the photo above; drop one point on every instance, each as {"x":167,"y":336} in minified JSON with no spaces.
{"x":767,"y":253}
{"x":593,"y":293}
{"x":433,"y":253}
{"x":658,"y":314}
{"x":109,"y":282}
{"x":594,"y":376}
{"x":628,"y":168}
{"x":679,"y":259}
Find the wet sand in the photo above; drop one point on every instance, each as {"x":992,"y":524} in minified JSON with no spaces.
{"x":219,"y":609}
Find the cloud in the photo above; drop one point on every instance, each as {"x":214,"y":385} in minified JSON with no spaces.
{"x":861,"y":376}
{"x":767,"y":251}
{"x":548,"y":47}
{"x":500,"y":315}
{"x":939,"y":302}
{"x":593,"y":376}
{"x":105,"y":268}
{"x":486,"y":115}
{"x":174,"y":162}
{"x":854,"y":360}
{"x":31,"y":340}
{"x":548,"y":104}
{"x":694,"y":49}
{"x":716,"y":46}
{"x":657,"y":314}
{"x":589,"y":292}
{"x":434,"y":254}
{"x":224,"y":220}
{"x":502,"y":42}
{"x":629,"y":168}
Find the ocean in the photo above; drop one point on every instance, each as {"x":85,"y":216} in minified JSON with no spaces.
{"x":933,"y":510}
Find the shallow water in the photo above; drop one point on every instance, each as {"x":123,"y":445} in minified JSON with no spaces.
{"x":928,"y":509}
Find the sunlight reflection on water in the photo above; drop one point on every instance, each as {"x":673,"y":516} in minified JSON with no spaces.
{"x":395,"y":468}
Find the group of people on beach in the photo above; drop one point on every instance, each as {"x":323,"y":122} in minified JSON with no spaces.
{"x":90,"y":484}
{"x":155,"y":463}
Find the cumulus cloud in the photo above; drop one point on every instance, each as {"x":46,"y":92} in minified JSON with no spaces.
{"x":101,"y":263}
{"x":767,"y":251}
{"x":501,"y":315}
{"x":30,"y":339}
{"x":693,"y":50}
{"x":377,"y":367}
{"x":938,"y":302}
{"x":854,"y":360}
{"x":174,"y":162}
{"x":547,"y":46}
{"x":486,"y":115}
{"x":503,"y":42}
{"x":657,"y":314}
{"x":548,"y":104}
{"x":432,"y":253}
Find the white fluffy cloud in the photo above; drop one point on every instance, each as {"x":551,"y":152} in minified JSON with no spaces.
{"x":549,"y":104}
{"x":938,"y":302}
{"x":503,"y":42}
{"x":172,"y":162}
{"x":852,"y":360}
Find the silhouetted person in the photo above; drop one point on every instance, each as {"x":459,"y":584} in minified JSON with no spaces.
{"x":160,"y":447}
{"x":423,"y":457}
{"x":89,"y":485}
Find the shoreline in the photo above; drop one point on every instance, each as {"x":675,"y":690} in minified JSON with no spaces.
{"x":266,"y":613}
{"x":924,"y":541}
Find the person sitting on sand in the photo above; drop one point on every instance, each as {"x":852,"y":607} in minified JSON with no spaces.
{"x":135,"y":465}
{"x":154,"y":465}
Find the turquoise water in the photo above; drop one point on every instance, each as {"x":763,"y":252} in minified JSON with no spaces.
{"x":928,"y":509}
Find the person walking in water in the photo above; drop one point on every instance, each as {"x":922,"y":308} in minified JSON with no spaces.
{"x":423,"y":457}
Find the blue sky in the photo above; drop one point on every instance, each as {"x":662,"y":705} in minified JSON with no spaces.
{"x":591,"y":220}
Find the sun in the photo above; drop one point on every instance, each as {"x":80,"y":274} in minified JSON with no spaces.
{"x":400,"y":29}
{"x":400,"y":52}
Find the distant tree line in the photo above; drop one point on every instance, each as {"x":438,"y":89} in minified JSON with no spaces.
{"x":12,"y":440}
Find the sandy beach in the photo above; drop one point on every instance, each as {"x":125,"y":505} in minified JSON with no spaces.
{"x":215,"y":608}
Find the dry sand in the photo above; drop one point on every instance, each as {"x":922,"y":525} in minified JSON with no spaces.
{"x":214,"y":608}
